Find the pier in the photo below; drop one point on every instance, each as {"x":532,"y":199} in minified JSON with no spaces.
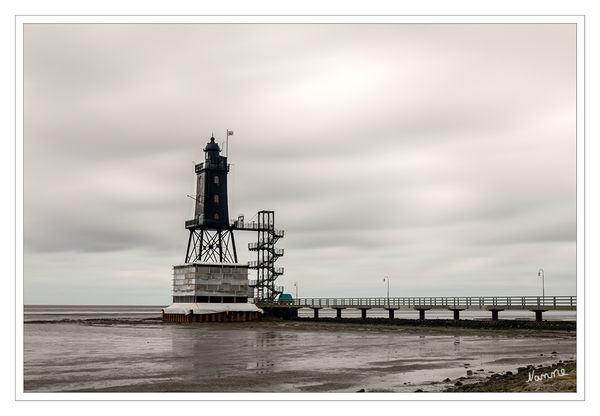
{"x":288,"y":308}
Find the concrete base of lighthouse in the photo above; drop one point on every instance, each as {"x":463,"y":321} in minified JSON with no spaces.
{"x":211,"y":292}
{"x":211,"y":312}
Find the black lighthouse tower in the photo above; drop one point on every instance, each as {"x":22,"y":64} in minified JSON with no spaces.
{"x":211,"y":235}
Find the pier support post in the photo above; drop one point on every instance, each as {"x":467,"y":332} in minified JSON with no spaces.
{"x":456,"y":313}
{"x":538,"y":315}
{"x":422,"y":314}
{"x":391,"y":313}
{"x":363,"y":313}
{"x":338,"y":312}
{"x":495,"y":314}
{"x":316,"y":312}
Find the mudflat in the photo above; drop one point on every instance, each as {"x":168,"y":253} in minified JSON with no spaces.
{"x":105,"y":355}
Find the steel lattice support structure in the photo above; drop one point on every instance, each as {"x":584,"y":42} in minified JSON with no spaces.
{"x":211,"y":246}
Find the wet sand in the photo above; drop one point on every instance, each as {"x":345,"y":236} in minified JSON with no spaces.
{"x":274,"y":356}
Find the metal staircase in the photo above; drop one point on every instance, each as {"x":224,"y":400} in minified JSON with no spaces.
{"x":266,"y":254}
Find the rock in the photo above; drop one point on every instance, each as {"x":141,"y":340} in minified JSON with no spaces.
{"x":509,"y":373}
{"x":418,"y":391}
{"x":458,"y":383}
{"x":447,"y":380}
{"x":360,"y":391}
{"x":541,"y":355}
{"x":553,"y":352}
{"x":469,"y":372}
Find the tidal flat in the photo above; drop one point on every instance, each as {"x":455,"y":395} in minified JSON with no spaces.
{"x":147,"y":355}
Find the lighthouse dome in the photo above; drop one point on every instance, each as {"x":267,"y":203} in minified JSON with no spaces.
{"x":212,"y":146}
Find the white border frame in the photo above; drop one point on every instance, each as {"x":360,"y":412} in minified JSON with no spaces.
{"x":579,"y":20}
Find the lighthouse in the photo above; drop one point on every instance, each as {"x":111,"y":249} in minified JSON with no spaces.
{"x":211,"y":285}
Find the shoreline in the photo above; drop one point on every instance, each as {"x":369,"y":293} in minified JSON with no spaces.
{"x":444,"y":326}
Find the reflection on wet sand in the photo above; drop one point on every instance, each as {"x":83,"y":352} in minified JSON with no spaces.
{"x":203,"y":352}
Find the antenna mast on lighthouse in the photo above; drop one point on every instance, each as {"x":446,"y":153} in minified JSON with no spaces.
{"x":229,"y":133}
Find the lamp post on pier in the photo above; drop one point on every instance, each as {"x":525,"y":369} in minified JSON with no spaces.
{"x":387,"y":278}
{"x":541,"y":274}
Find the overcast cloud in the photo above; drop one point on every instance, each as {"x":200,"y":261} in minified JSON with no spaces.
{"x":441,"y":155}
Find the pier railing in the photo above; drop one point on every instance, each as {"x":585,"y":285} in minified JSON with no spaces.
{"x":480,"y":302}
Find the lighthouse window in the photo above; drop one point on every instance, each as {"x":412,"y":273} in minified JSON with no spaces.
{"x":216,"y":180}
{"x":216,"y":198}
{"x":216,"y":216}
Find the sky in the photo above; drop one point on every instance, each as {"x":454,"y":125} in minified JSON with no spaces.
{"x":442,"y":156}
